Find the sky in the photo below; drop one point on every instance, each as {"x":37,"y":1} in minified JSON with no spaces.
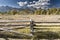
{"x":28,"y":3}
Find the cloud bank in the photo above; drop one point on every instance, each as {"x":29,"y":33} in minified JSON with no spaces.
{"x":35,"y":4}
{"x":22,"y":3}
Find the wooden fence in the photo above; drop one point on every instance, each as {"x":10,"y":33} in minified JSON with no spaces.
{"x":9,"y":25}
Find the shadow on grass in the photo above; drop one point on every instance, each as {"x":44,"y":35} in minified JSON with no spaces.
{"x":47,"y":35}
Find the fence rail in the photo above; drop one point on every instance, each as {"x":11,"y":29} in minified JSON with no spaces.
{"x":14,"y":21}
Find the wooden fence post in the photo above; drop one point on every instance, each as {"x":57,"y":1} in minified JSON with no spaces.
{"x":32,"y":26}
{"x":32,"y":29}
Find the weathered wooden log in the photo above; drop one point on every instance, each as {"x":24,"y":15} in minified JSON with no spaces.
{"x":12,"y":28}
{"x":14,"y":24}
{"x":4,"y":35}
{"x":9,"y":21}
{"x":13,"y":34}
{"x":11,"y":31}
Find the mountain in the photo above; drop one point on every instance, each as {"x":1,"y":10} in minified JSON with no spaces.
{"x":7,"y":8}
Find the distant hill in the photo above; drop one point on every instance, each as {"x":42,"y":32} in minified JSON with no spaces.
{"x":7,"y":8}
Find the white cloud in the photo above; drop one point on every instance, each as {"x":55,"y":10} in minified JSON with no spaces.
{"x":35,"y":4}
{"x":22,"y":3}
{"x":30,"y":2}
{"x":39,"y":4}
{"x":34,"y":1}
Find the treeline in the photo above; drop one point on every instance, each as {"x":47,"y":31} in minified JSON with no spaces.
{"x":50,"y":11}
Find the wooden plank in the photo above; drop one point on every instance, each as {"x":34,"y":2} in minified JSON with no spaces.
{"x":14,"y":24}
{"x":14,"y":21}
{"x":47,"y":27}
{"x":47,"y":24}
{"x":12,"y":28}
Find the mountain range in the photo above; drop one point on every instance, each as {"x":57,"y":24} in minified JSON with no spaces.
{"x":7,"y":8}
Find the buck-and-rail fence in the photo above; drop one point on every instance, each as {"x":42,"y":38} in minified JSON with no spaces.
{"x":7,"y":26}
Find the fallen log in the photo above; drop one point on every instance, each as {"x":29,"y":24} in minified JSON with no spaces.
{"x":4,"y":34}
